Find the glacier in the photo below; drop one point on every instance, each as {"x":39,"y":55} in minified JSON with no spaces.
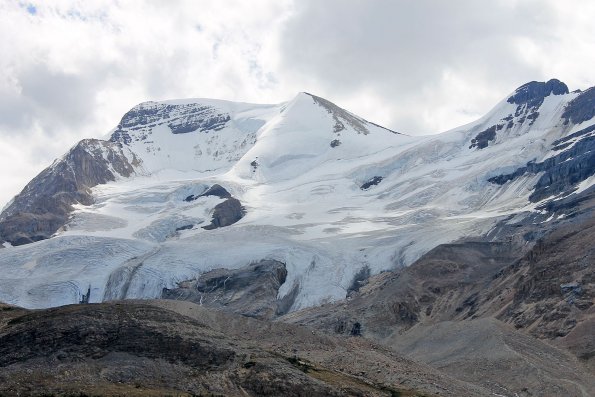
{"x":299,"y":169}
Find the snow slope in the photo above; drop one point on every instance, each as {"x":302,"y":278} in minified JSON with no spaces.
{"x":325,"y":192}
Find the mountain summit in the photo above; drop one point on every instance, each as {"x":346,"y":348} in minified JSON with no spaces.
{"x":185,"y":187}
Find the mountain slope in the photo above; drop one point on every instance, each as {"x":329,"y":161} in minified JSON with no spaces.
{"x":45,"y":203}
{"x":179,"y":348}
{"x":482,"y":310}
{"x":329,"y":195}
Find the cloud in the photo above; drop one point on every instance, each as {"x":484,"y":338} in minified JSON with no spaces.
{"x":424,"y":66}
{"x":71,"y":68}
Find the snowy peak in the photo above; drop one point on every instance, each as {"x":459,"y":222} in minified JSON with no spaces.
{"x":343,"y":120}
{"x":179,"y":118}
{"x":533,"y":93}
{"x":342,"y":117}
{"x":310,"y":131}
{"x":305,"y":183}
{"x":521,"y":110}
{"x":191,"y":135}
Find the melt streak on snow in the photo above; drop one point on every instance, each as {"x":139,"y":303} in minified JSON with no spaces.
{"x":297,"y":168}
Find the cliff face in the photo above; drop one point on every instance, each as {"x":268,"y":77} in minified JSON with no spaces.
{"x":45,"y":203}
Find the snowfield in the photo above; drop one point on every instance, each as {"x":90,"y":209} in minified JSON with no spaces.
{"x":298,"y":169}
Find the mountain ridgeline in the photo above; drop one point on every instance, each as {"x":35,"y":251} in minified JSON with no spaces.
{"x":443,"y":248}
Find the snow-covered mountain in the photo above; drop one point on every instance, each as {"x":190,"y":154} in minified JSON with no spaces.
{"x":184,"y":187}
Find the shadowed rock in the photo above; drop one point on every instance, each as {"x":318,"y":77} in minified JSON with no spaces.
{"x":180,"y":119}
{"x":533,"y":93}
{"x":216,"y":190}
{"x":581,"y":108}
{"x":45,"y":203}
{"x":140,"y":349}
{"x":562,"y":172}
{"x":251,"y":290}
{"x":226,"y":213}
{"x":372,"y":182}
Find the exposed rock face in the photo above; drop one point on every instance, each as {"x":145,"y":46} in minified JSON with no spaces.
{"x":482,"y":139}
{"x":342,"y":117}
{"x":372,"y":182}
{"x":107,"y":331}
{"x":215,"y":190}
{"x":554,"y":285}
{"x":180,"y":119}
{"x":226,"y":213}
{"x":562,"y":172}
{"x":533,"y":93}
{"x":582,"y":108}
{"x":528,"y":98}
{"x":251,"y":290}
{"x":144,"y":338}
{"x":44,"y":204}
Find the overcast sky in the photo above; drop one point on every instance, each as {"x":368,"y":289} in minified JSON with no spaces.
{"x":70,"y":69}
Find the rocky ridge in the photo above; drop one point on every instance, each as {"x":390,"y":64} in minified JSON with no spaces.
{"x":179,"y":348}
{"x":45,"y":203}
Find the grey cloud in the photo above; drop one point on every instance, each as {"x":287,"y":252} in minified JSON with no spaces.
{"x":53,"y":99}
{"x":401,"y":49}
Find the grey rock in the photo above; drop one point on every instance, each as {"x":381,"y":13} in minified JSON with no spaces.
{"x":372,"y":182}
{"x":226,"y":213}
{"x":581,"y":108}
{"x":534,"y":92}
{"x":45,"y":203}
{"x":562,"y":172}
{"x":342,"y":117}
{"x":482,"y":139}
{"x":251,"y":290}
{"x":216,"y":190}
{"x":180,"y":119}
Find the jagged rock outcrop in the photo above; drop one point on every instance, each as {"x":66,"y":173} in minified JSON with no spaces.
{"x":226,"y":213}
{"x":180,"y":118}
{"x":563,"y":171}
{"x":45,"y":203}
{"x":251,"y":290}
{"x":528,"y":98}
{"x":215,"y":190}
{"x":533,"y":93}
{"x":581,"y":108}
{"x":372,"y":182}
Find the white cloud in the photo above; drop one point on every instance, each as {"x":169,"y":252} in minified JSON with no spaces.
{"x":70,"y":68}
